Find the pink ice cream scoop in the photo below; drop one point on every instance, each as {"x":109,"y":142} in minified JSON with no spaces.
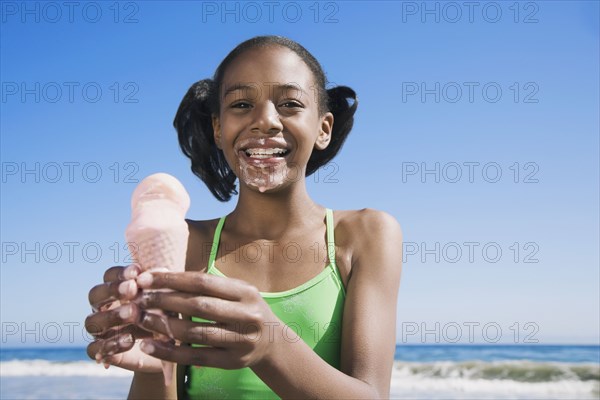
{"x":157,"y":235}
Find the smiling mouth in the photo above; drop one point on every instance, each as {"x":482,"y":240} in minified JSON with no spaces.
{"x":262,"y":153}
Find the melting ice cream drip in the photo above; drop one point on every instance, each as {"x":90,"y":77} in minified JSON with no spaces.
{"x":158,"y":233}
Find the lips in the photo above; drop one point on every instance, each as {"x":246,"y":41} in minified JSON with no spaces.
{"x":261,"y":160}
{"x":259,"y":152}
{"x":263,"y":150}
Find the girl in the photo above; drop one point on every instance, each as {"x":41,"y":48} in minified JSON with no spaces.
{"x":282,"y":297}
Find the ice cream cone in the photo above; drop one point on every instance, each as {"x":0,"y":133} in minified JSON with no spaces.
{"x":157,"y":235}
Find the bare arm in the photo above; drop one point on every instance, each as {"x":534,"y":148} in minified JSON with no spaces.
{"x":151,"y":386}
{"x":369,"y":326}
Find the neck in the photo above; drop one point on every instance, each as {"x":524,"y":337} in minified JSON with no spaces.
{"x":270,"y":215}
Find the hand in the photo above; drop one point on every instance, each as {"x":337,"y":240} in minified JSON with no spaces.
{"x":113,"y":322}
{"x":242,"y":332}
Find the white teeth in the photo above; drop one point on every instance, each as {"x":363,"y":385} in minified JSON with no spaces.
{"x":264,"y":153}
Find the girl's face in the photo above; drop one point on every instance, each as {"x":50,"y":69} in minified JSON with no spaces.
{"x":269,"y":122}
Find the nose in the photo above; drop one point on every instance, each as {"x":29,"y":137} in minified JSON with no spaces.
{"x":266,"y":119}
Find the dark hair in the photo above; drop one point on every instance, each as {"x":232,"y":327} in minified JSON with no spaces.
{"x":193,"y":120}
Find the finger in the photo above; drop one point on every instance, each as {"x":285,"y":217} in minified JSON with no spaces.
{"x":211,"y":308}
{"x":135,"y":330}
{"x":128,"y":357}
{"x":93,"y":348}
{"x":202,"y":333}
{"x":197,"y":283}
{"x":99,"y":323}
{"x":113,"y":274}
{"x":119,"y":273}
{"x":136,"y":360}
{"x":105,"y":348}
{"x":198,"y":356}
{"x":105,"y":293}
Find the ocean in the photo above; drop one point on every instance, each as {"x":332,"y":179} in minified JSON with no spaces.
{"x":420,"y":372}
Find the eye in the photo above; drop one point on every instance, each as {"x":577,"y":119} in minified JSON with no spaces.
{"x":291,"y":104}
{"x":241,"y":104}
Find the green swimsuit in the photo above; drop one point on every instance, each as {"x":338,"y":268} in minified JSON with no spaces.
{"x":313,"y":310}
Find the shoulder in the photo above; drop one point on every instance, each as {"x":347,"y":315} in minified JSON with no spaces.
{"x":199,"y":243}
{"x":368,"y":218}
{"x":366,"y":231}
{"x":368,"y":246}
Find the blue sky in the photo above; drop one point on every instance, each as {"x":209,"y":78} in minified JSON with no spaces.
{"x":501,"y":100}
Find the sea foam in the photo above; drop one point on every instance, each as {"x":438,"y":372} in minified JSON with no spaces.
{"x":497,"y":380}
{"x":52,"y":368}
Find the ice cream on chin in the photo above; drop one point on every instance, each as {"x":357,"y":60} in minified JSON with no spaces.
{"x":263,"y":174}
{"x":262,"y":162}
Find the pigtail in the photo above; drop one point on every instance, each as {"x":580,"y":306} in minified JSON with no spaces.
{"x":193,"y":123}
{"x":343,"y":120}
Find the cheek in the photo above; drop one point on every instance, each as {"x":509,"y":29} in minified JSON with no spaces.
{"x":230,"y":127}
{"x":307,"y":130}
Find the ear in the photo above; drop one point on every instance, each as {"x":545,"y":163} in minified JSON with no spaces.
{"x":325,"y":132}
{"x":216,"y":124}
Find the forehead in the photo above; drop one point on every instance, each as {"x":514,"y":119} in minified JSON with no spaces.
{"x":273,"y":65}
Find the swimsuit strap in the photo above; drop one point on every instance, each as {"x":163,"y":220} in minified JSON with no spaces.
{"x":330,"y":237}
{"x":215,"y":244}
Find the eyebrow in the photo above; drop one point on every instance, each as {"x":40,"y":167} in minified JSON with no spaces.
{"x":242,"y":86}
